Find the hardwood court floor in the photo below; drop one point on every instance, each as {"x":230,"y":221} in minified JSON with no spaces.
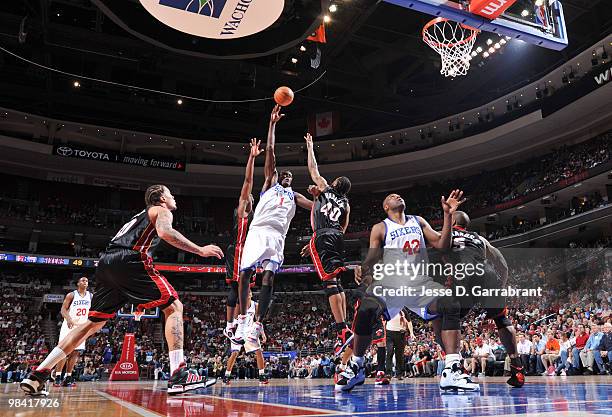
{"x":541,"y":396}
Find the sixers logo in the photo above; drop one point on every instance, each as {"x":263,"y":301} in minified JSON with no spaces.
{"x":210,"y":8}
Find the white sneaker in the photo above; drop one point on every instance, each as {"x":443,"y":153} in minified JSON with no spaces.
{"x":240,"y":331}
{"x":453,"y":379}
{"x":481,"y":375}
{"x":563,"y":373}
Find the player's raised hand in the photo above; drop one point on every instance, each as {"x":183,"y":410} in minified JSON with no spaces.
{"x":308,"y":139}
{"x":452,"y":203}
{"x":211,"y":251}
{"x":276,"y":115}
{"x":255,"y":150}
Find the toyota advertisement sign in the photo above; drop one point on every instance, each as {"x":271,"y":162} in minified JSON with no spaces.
{"x":79,"y":152}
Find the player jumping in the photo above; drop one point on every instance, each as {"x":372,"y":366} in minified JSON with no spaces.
{"x":265,"y":240}
{"x":243,"y":215}
{"x":74,"y":310}
{"x":329,"y":219}
{"x":125,"y":274}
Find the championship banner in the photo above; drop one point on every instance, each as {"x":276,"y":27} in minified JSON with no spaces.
{"x":127,"y":368}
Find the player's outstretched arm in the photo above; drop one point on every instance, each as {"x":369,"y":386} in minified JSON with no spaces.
{"x":313,"y":168}
{"x":363,"y":273}
{"x":244,"y":204}
{"x":270,"y":164}
{"x":163,"y":225}
{"x":450,"y":205}
{"x":302,"y":201}
{"x":66,"y":309}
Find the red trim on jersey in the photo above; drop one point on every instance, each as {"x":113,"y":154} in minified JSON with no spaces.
{"x":357,"y":304}
{"x":312,"y":216}
{"x":99,"y":315}
{"x":240,"y":238}
{"x":319,"y":265}
{"x":459,"y":228}
{"x":140,"y":243}
{"x":166,"y":290}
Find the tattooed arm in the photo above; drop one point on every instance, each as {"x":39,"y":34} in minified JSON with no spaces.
{"x":162,"y":217}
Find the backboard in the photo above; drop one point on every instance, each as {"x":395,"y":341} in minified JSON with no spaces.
{"x":539,"y":22}
{"x":128,"y":311}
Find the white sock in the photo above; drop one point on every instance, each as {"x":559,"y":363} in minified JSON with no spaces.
{"x":229,"y":325}
{"x":176,"y":358}
{"x":451,"y":359}
{"x":68,"y":373}
{"x":261,"y":371}
{"x":228,"y":374}
{"x":52,"y":359}
{"x":58,"y":374}
{"x":358,"y":360}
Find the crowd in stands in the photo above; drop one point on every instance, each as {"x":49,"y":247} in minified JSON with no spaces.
{"x":57,"y":204}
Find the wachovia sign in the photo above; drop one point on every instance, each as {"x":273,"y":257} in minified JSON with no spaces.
{"x":216,"y":19}
{"x":79,"y":152}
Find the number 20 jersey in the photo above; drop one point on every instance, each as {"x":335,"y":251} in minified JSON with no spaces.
{"x":328,"y":209}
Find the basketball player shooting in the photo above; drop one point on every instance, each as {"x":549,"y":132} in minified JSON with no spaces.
{"x":329,"y":220}
{"x":402,"y":234}
{"x":243,"y":215}
{"x":126,"y":274}
{"x":265,"y":241}
{"x":75,"y":309}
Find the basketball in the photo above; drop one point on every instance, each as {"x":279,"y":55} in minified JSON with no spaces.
{"x":283,"y":96}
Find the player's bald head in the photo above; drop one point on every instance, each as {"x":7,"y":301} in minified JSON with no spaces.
{"x":461,"y":219}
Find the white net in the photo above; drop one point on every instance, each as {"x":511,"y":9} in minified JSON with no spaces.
{"x":454,"y":42}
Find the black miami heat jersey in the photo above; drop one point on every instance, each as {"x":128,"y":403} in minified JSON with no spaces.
{"x":328,"y":209}
{"x":467,"y":245}
{"x":138,"y":234}
{"x":241,"y":226}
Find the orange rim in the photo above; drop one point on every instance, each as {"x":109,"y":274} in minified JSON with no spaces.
{"x":447,"y":45}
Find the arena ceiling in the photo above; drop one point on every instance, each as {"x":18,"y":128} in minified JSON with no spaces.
{"x":374,"y":70}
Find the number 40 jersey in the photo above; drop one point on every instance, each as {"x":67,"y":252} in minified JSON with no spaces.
{"x":328,"y":210}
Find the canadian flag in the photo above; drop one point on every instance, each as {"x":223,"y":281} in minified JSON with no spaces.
{"x":323,"y":124}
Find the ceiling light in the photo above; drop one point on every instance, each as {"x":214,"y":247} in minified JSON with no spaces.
{"x":303,"y":48}
{"x":479,"y":49}
{"x":294,"y":60}
{"x":76,"y":84}
{"x":485,"y":55}
{"x":474,"y":53}
{"x":326,"y":18}
{"x":503,"y":41}
{"x":497,"y":46}
{"x":489,"y":41}
{"x":179,"y":101}
{"x":525,"y":13}
{"x":491,"y":50}
{"x":333,"y":8}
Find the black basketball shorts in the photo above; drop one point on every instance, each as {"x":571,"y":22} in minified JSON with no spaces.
{"x":123,"y":277}
{"x":327,"y":253}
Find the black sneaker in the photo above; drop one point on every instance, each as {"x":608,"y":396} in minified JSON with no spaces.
{"x":517,"y":376}
{"x":68,"y":382}
{"x":263,"y":379}
{"x":185,"y":379}
{"x":57,"y":382}
{"x":227,"y":380}
{"x":35,"y":383}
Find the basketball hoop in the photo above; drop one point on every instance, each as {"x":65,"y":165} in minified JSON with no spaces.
{"x":453,"y":41}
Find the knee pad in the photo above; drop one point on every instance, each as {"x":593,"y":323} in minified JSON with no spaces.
{"x":331,"y":288}
{"x":450,"y":309}
{"x":232,"y":297}
{"x":368,"y":313}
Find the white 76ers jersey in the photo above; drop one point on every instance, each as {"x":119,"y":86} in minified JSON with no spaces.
{"x":275,"y":209}
{"x":79,"y":308}
{"x":407,"y":239}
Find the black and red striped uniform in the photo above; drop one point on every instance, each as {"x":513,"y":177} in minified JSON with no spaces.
{"x":327,"y":243}
{"x":126,"y":274}
{"x":233,"y":254}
